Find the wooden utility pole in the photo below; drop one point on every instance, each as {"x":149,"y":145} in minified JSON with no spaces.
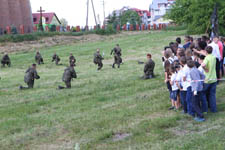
{"x":87,"y":14}
{"x":103,"y":3}
{"x":41,"y":21}
{"x":94,"y":12}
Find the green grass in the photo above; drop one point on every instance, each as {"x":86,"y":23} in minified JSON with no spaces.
{"x":101,"y":104}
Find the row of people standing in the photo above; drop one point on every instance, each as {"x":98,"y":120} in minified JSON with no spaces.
{"x":191,"y":88}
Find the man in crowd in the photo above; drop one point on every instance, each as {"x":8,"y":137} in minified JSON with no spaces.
{"x":98,"y":59}
{"x":30,"y":76}
{"x":178,"y":40}
{"x":216,"y":53}
{"x":6,"y":60}
{"x":209,"y":65}
{"x":117,"y":56}
{"x":187,"y":42}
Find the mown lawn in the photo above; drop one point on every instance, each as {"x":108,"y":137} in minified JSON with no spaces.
{"x":106,"y":110}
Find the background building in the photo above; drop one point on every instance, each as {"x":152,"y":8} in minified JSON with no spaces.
{"x":158,"y":9}
{"x":16,"y":13}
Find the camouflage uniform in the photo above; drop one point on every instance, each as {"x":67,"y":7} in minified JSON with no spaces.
{"x":72,"y":60}
{"x":69,"y":74}
{"x":117,"y":56}
{"x":30,"y":76}
{"x":56,"y":58}
{"x":39,"y":59}
{"x":149,"y":69}
{"x":98,"y":60}
{"x":6,"y":60}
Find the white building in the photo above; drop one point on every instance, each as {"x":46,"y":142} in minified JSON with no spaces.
{"x":158,"y":9}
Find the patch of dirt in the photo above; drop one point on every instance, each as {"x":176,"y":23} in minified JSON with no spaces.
{"x":121,"y":136}
{"x":58,"y":40}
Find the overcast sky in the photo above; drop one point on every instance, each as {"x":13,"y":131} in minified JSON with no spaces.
{"x":74,"y":11}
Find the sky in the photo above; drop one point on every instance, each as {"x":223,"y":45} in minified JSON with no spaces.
{"x":75,"y":11}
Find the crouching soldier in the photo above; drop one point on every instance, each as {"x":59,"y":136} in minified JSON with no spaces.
{"x":68,"y":75}
{"x":30,"y":76}
{"x":117,"y":56}
{"x":72,"y":60}
{"x":149,"y":68}
{"x":55,"y":58}
{"x":6,"y":60}
{"x":38,"y":58}
{"x":98,"y":59}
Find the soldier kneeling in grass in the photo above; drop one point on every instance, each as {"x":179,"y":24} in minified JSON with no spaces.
{"x":149,"y":68}
{"x":38,"y":58}
{"x":55,"y":58}
{"x":30,"y":76}
{"x":69,"y":74}
{"x":6,"y":60}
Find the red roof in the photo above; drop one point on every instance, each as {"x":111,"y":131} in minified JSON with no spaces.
{"x":141,"y":12}
{"x":48,"y":17}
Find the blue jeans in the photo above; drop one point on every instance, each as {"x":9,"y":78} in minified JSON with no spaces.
{"x":203,"y":102}
{"x":196,"y":104}
{"x":183,"y":95}
{"x":189,"y":102}
{"x":211,"y":90}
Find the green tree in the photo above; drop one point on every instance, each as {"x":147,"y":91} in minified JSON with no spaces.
{"x":196,"y":14}
{"x":130,"y":16}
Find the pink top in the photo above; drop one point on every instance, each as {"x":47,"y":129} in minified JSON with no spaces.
{"x":220,"y":44}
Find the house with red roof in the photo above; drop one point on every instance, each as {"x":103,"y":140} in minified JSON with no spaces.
{"x":48,"y":19}
{"x":144,"y":14}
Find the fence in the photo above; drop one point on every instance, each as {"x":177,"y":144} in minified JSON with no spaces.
{"x":9,"y":29}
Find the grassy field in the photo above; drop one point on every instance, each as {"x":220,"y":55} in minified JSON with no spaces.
{"x":105,"y":110}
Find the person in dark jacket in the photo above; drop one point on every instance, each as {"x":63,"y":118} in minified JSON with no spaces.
{"x":68,"y":75}
{"x":149,"y":68}
{"x":72,"y":60}
{"x":30,"y":75}
{"x":6,"y":60}
{"x":117,"y":56}
{"x":38,"y":58}
{"x":98,"y":59}
{"x":55,"y":58}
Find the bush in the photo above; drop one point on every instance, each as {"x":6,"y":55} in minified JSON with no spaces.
{"x":176,"y":28}
{"x":108,"y":31}
{"x":38,"y":35}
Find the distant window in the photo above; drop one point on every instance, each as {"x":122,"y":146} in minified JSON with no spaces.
{"x":34,"y":19}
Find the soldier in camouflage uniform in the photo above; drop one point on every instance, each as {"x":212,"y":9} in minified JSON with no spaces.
{"x":55,"y":58}
{"x":68,"y":75}
{"x":38,"y":58}
{"x":149,"y":68}
{"x":117,"y":56}
{"x":98,"y":59}
{"x":30,"y":76}
{"x":72,"y":60}
{"x":6,"y":60}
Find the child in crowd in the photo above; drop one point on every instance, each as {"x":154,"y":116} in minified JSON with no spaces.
{"x":167,"y":64}
{"x":198,"y":102}
{"x":187,"y":83}
{"x":182,"y":90}
{"x":174,"y":87}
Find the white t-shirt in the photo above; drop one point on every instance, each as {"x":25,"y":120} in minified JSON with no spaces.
{"x":216,"y":50}
{"x":173,"y":80}
{"x":186,"y":74}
